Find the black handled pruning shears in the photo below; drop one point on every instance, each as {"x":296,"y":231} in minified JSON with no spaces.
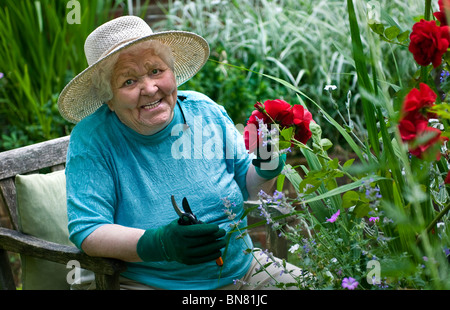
{"x":188,"y":218}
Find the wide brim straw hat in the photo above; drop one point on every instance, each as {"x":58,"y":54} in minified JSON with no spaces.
{"x":190,"y":53}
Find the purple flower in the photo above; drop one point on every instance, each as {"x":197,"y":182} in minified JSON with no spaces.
{"x":446,"y":251}
{"x":349,"y":283}
{"x":374,"y":219}
{"x":334,"y":217}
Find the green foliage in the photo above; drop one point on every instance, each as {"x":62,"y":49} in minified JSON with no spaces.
{"x":40,"y":53}
{"x":393,"y":208}
{"x":305,"y":43}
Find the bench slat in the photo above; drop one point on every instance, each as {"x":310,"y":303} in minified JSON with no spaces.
{"x":33,"y":157}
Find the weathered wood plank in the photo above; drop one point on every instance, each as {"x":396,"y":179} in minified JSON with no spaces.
{"x":8,"y":192}
{"x":14,"y":241}
{"x":33,"y":157}
{"x":107,"y":282}
{"x":6,"y":276}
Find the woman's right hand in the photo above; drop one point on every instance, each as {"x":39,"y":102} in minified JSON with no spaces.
{"x":187,"y":244}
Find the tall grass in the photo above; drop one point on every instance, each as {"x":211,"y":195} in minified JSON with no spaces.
{"x":39,"y":53}
{"x":305,"y":42}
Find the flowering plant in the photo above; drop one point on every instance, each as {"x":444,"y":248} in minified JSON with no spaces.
{"x":381,"y":218}
{"x":291,"y":121}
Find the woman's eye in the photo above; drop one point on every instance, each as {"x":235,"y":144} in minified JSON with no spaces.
{"x":155,"y":71}
{"x":128,"y":82}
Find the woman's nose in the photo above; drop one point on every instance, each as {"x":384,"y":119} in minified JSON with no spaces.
{"x":148,"y":86}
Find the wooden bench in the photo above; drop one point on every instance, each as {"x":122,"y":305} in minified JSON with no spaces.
{"x":46,"y":157}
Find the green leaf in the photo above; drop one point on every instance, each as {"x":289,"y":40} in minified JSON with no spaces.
{"x":309,"y":185}
{"x":334,"y":163}
{"x":293,"y":177}
{"x":361,"y":210}
{"x":348,"y":163}
{"x":282,"y":145}
{"x":280,"y":182}
{"x":350,"y":199}
{"x":345,"y":188}
{"x":326,"y":144}
{"x":377,"y":28}
{"x":402,"y":37}
{"x":391,"y":32}
{"x":287,"y":133}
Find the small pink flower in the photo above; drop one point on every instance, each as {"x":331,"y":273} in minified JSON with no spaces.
{"x":374,"y":219}
{"x":334,"y":217}
{"x":349,"y":283}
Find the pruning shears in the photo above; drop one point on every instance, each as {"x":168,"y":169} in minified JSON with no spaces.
{"x":188,"y":218}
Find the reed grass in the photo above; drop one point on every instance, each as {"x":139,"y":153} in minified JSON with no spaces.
{"x":39,"y":53}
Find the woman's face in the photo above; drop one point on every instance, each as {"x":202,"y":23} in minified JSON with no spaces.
{"x":144,"y":92}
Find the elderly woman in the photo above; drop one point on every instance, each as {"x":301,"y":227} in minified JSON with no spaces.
{"x":137,"y":142}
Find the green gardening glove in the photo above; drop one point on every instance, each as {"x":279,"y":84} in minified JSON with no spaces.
{"x":187,"y":244}
{"x":265,"y":167}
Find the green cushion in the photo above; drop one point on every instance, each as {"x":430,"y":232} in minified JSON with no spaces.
{"x":42,"y":211}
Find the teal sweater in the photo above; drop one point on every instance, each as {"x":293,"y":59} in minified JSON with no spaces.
{"x":118,"y":176}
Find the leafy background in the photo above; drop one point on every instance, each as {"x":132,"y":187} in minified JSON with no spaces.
{"x":305,"y":42}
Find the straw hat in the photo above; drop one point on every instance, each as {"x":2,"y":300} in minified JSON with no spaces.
{"x":190,"y":53}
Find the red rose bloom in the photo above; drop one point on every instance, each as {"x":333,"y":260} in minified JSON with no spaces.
{"x":447,"y":178}
{"x":256,"y":114}
{"x":428,"y":42}
{"x":434,"y":136}
{"x":418,"y":100}
{"x":413,"y":125}
{"x":279,"y":112}
{"x":251,"y":137}
{"x":302,"y":119}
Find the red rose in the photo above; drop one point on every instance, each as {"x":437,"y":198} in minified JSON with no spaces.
{"x":428,"y":42}
{"x":251,"y":138}
{"x":418,"y":100}
{"x":447,"y":178}
{"x":253,"y":119}
{"x":279,"y":111}
{"x":433,"y":135}
{"x":301,"y":119}
{"x":282,"y":113}
{"x":413,"y":125}
{"x":410,"y":127}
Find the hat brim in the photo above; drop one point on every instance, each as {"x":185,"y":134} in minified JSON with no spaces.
{"x":190,"y":52}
